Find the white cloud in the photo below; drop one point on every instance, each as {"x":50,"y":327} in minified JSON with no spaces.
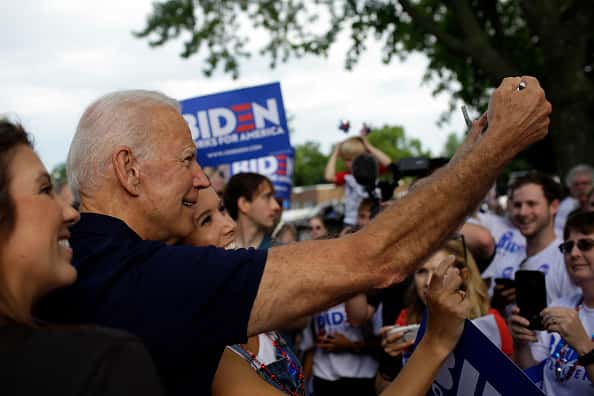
{"x":57,"y":56}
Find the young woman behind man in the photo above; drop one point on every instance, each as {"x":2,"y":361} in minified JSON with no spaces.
{"x":250,"y":372}
{"x":36,"y":358}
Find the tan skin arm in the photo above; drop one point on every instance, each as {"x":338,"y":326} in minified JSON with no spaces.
{"x":308,"y":363}
{"x":381,"y":157}
{"x":235,"y":377}
{"x":330,"y":170}
{"x":357,"y":310}
{"x":479,"y":240}
{"x":303,"y":278}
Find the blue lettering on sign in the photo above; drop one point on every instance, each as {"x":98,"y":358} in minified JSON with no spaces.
{"x":243,"y":130}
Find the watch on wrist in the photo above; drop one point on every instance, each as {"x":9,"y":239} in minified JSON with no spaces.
{"x":586,"y":359}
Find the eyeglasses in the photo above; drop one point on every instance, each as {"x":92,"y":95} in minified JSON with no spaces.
{"x":584,"y":245}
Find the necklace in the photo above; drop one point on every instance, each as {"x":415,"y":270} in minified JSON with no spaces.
{"x":561,"y":362}
{"x":293,"y":368}
{"x":561,"y":357}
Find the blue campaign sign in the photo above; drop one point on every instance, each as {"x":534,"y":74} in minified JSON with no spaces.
{"x":277,"y":166}
{"x":478,"y":367}
{"x":238,"y":125}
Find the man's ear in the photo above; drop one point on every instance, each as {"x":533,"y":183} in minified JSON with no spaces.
{"x":243,"y":205}
{"x":126,"y":169}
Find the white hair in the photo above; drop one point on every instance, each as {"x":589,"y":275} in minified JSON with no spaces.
{"x":118,"y":118}
{"x":578,"y":170}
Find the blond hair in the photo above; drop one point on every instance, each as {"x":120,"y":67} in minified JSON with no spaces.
{"x":476,"y":290}
{"x":351,"y":147}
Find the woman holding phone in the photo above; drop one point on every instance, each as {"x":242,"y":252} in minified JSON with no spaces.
{"x":237,"y":375}
{"x":565,"y":349}
{"x":37,"y":358}
{"x":396,"y":342}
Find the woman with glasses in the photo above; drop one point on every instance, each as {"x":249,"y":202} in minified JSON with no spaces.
{"x":37,"y":358}
{"x":396,"y":343}
{"x":565,"y":349}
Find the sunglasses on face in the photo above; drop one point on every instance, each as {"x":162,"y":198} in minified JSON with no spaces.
{"x":584,"y":245}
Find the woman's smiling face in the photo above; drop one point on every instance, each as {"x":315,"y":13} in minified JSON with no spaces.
{"x":37,"y":252}
{"x":212,"y":223}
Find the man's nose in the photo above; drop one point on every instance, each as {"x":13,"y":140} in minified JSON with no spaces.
{"x":523,"y":210}
{"x":200,"y":180}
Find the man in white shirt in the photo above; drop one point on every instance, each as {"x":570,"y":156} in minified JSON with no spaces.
{"x":579,"y":182}
{"x":534,"y":200}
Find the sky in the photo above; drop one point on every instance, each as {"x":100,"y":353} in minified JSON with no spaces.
{"x":57,"y":56}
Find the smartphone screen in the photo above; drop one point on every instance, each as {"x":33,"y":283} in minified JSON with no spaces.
{"x":531,"y":296}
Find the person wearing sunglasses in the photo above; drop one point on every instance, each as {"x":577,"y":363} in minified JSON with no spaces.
{"x":566,"y":347}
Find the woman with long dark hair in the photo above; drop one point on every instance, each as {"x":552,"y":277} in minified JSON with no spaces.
{"x":36,"y":358}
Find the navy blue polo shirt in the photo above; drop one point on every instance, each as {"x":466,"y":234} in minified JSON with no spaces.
{"x":186,"y":303}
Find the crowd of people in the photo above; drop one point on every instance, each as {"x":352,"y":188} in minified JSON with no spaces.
{"x":169,"y":280}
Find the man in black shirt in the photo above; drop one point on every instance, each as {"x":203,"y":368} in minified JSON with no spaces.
{"x":132,"y":166}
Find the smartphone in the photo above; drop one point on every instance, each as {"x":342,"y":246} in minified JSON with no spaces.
{"x":409,"y":332}
{"x":531,"y":296}
{"x":506,"y":282}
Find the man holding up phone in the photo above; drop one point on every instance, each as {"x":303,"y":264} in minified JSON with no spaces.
{"x":534,"y":199}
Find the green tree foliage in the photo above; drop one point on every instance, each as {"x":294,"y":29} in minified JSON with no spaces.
{"x":58,"y":174}
{"x":452,"y":142}
{"x":393,"y":141}
{"x":471,"y":45}
{"x":309,"y":164}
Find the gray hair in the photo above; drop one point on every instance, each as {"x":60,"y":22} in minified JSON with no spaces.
{"x":578,"y":170}
{"x":118,"y":118}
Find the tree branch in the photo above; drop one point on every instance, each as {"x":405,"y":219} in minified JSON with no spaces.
{"x":431,"y":27}
{"x":483,"y":53}
{"x":542,"y":17}
{"x":494,"y":17}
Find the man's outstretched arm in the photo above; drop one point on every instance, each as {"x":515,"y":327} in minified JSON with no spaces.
{"x":303,"y":278}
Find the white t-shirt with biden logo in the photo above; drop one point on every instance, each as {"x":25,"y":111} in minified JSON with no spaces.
{"x":549,"y":260}
{"x":333,"y":366}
